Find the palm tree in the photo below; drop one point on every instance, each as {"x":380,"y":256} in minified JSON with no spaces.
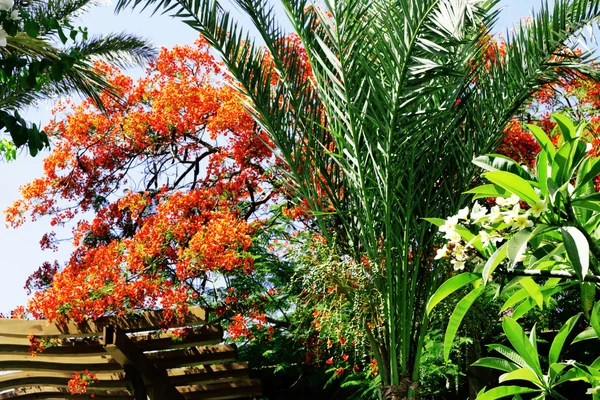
{"x":403,"y":94}
{"x":34,"y":66}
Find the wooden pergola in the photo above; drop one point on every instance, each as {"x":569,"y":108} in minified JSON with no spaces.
{"x":132,"y":357}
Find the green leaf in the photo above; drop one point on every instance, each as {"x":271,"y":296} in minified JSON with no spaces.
{"x":495,"y":363}
{"x":594,"y":171}
{"x":32,"y":28}
{"x":456,"y":318}
{"x":485,"y":191}
{"x":578,"y":250}
{"x":587,"y":334}
{"x":560,"y":338}
{"x":521,"y":344}
{"x":595,"y":319}
{"x":543,"y":140}
{"x":518,"y":296}
{"x":504,"y":391}
{"x":588,"y":296}
{"x":566,"y":126}
{"x":498,"y":162}
{"x":449,"y":287}
{"x":522,"y":374}
{"x":533,"y":290}
{"x":493,"y":262}
{"x":514,"y":184}
{"x":542,"y":171}
{"x":518,"y":244}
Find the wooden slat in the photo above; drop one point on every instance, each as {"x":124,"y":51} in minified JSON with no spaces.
{"x":234,"y":390}
{"x":209,"y":374}
{"x":206,"y":335}
{"x":194,"y":356}
{"x":44,"y":392}
{"x":33,"y":365}
{"x":60,"y":382}
{"x":148,"y":320}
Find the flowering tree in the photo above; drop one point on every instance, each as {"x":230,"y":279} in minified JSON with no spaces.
{"x":177,"y":180}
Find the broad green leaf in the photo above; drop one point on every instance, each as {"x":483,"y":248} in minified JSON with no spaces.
{"x":493,"y":262}
{"x":594,"y":171}
{"x":504,"y":391}
{"x":578,"y":250}
{"x":498,"y":162}
{"x":514,"y":299}
{"x":533,"y":290}
{"x":514,"y":184}
{"x":495,"y":363}
{"x":595,"y":318}
{"x":485,"y":191}
{"x":560,"y":338}
{"x":518,"y":244}
{"x":457,"y":316}
{"x":436,"y":221}
{"x":568,"y":129}
{"x":588,"y":297}
{"x":449,"y":287}
{"x":521,"y":344}
{"x":508,"y":353}
{"x":524,"y":374}
{"x":542,"y":171}
{"x":543,"y":140}
{"x":554,"y":370}
{"x":523,"y":308}
{"x":587,"y":334}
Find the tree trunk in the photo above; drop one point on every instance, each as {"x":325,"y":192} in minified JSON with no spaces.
{"x":401,"y":391}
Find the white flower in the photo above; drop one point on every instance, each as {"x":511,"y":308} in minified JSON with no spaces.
{"x":449,"y":225}
{"x":453,"y":236}
{"x":478,"y":213}
{"x":6,"y":5}
{"x":14,"y":15}
{"x":463,"y":214}
{"x":485,"y":238}
{"x":2,"y":37}
{"x":459,"y":252}
{"x":538,"y":208}
{"x":458,"y":265}
{"x":521,"y":222}
{"x":509,"y":216}
{"x":441,"y":253}
{"x":495,"y":215}
{"x":594,"y":390}
{"x":513,"y":199}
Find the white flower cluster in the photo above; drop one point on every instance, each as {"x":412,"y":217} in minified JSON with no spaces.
{"x":491,"y":224}
{"x":6,"y":6}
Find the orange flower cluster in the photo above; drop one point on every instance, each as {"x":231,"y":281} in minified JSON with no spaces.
{"x":80,"y":382}
{"x":176,"y":176}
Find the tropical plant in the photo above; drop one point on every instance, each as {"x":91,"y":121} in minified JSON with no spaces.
{"x":540,"y":239}
{"x":401,"y":95}
{"x":34,"y":67}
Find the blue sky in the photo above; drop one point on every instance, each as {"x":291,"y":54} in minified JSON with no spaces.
{"x":20,"y":247}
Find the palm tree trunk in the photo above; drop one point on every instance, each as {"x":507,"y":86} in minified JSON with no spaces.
{"x":403,"y":390}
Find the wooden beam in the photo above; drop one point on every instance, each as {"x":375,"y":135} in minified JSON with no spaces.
{"x":36,"y":365}
{"x":125,"y":352}
{"x":209,"y":374}
{"x":195,"y":356}
{"x":144,"y":321}
{"x":156,"y":340}
{"x":222,"y":391}
{"x":44,"y":392}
